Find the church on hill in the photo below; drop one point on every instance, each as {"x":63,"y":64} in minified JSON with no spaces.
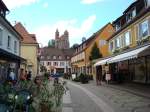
{"x":62,"y":42}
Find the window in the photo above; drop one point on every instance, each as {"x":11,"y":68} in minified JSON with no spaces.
{"x":1,"y":36}
{"x":134,"y":13}
{"x":59,"y":57}
{"x":102,"y":43}
{"x":117,"y":43}
{"x":111,"y":45}
{"x":42,"y":57}
{"x":48,"y":63}
{"x":48,"y":57}
{"x":127,"y":39}
{"x":62,"y":63}
{"x":8,"y":42}
{"x":143,"y":29}
{"x":148,"y":2}
{"x":15,"y":46}
{"x":118,"y":26}
{"x":68,"y":57}
{"x":54,"y":57}
{"x":55,"y":63}
{"x":131,"y":14}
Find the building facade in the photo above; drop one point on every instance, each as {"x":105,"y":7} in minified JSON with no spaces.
{"x":62,"y":42}
{"x":130,"y":45}
{"x":29,"y":49}
{"x":101,"y":38}
{"x":56,"y":60}
{"x":81,"y":61}
{"x":9,"y":46}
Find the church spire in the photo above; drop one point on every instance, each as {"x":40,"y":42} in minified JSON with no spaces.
{"x":56,"y":34}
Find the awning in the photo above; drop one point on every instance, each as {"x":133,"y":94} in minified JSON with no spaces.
{"x":102,"y":62}
{"x":9,"y":56}
{"x":128,"y":55}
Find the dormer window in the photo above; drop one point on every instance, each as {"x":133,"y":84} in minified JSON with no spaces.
{"x":42,"y":57}
{"x":54,"y":57}
{"x":48,"y":57}
{"x":59,"y":57}
{"x":131,"y":14}
{"x":118,"y":26}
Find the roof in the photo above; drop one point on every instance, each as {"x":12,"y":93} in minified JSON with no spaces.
{"x":10,"y":56}
{"x":131,"y":6}
{"x":52,"y":51}
{"x":143,"y":12}
{"x":90,"y":40}
{"x":2,"y":5}
{"x":27,"y":38}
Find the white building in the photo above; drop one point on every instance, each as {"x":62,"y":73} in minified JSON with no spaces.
{"x":9,"y":46}
{"x":56,"y":60}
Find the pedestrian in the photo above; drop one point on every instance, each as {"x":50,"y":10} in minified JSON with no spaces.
{"x":12,"y":76}
{"x":29,"y":75}
{"x":22,"y":75}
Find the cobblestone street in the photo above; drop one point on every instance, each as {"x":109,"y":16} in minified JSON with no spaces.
{"x":105,"y":99}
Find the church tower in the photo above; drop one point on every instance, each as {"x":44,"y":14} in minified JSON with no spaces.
{"x":56,"y":34}
{"x":66,"y":40}
{"x":57,"y":38}
{"x":62,"y":42}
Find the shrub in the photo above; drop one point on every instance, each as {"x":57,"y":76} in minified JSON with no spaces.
{"x":77,"y":79}
{"x":83,"y":78}
{"x":90,"y":77}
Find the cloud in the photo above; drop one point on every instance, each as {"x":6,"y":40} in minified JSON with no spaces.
{"x":90,"y":1}
{"x":46,"y":32}
{"x":45,"y":5}
{"x":11,"y":4}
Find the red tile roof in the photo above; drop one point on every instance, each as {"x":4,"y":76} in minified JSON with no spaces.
{"x":27,"y":38}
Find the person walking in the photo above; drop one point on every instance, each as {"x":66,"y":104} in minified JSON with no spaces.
{"x":29,"y":75}
{"x":12,"y":77}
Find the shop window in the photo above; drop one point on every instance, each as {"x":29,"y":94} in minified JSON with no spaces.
{"x":148,"y":69}
{"x":140,"y":68}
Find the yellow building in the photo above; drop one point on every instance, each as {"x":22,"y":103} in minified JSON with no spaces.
{"x":78,"y":59}
{"x":130,"y":45}
{"x":29,"y":49}
{"x":81,"y":62}
{"x":100,"y":39}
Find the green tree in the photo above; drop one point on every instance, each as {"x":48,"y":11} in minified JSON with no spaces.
{"x":95,"y":54}
{"x":51,"y":43}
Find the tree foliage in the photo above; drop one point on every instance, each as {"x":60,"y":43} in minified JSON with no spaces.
{"x":51,"y":43}
{"x":95,"y":54}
